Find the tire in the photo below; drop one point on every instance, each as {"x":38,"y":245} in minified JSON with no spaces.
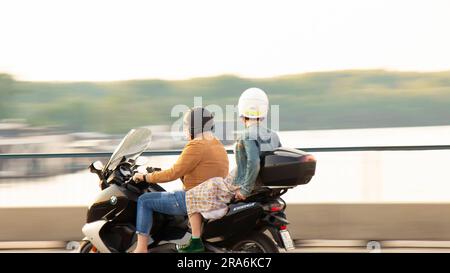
{"x":86,"y":247}
{"x":255,"y":243}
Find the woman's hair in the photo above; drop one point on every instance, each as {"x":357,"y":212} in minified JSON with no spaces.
{"x":198,"y":120}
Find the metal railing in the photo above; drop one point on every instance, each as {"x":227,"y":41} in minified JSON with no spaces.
{"x":177,"y":152}
{"x":384,"y":223}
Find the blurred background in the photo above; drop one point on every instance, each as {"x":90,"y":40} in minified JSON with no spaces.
{"x":76,"y":76}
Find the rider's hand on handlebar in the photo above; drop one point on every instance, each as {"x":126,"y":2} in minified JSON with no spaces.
{"x":138,"y":177}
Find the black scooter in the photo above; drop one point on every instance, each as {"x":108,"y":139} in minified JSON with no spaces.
{"x":110,"y":225}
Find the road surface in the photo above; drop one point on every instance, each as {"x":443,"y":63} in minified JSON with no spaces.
{"x":310,"y":246}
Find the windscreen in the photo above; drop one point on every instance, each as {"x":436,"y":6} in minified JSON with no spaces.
{"x":131,"y":146}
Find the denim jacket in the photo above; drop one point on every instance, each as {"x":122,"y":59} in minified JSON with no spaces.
{"x":252,"y":142}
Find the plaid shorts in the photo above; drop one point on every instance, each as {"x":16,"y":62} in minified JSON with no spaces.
{"x":213,"y":194}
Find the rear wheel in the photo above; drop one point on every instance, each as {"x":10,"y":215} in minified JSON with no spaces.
{"x":255,"y":243}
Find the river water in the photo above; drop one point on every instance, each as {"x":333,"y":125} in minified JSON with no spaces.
{"x":341,"y":177}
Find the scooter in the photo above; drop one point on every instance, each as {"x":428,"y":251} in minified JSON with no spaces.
{"x":110,"y":223}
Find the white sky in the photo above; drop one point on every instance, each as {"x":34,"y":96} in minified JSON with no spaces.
{"x":116,"y":40}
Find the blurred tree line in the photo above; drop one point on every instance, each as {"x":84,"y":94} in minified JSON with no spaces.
{"x":326,"y":100}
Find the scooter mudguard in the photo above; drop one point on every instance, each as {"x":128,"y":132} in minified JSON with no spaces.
{"x":92,"y":233}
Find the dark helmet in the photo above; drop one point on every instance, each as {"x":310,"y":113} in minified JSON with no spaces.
{"x":198,"y":120}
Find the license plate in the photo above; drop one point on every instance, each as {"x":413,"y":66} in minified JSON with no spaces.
{"x":287,"y":240}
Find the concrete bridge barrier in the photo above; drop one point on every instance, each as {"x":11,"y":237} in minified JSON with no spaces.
{"x":394,"y":221}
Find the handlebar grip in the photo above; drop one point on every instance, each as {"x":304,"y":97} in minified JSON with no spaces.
{"x":151,"y":169}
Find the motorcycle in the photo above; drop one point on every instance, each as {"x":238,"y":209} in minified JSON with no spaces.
{"x":111,"y":218}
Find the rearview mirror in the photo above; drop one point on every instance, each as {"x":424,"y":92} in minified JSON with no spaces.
{"x":96,"y":167}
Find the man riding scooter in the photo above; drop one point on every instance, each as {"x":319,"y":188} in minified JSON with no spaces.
{"x":202,"y":158}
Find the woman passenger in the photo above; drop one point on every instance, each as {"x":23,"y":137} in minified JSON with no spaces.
{"x":211,"y":197}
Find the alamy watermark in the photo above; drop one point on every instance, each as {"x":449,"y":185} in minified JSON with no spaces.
{"x":227,"y":120}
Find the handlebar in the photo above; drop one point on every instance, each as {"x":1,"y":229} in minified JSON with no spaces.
{"x":119,"y":178}
{"x":151,"y":169}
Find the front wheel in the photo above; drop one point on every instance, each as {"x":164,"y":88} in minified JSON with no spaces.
{"x":255,"y":243}
{"x":87,"y":247}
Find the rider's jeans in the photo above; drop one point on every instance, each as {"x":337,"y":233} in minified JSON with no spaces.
{"x":172,"y":203}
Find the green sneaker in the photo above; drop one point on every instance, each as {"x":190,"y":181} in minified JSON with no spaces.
{"x":195,"y":245}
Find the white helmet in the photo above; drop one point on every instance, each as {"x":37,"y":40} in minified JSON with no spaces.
{"x":253,"y":103}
